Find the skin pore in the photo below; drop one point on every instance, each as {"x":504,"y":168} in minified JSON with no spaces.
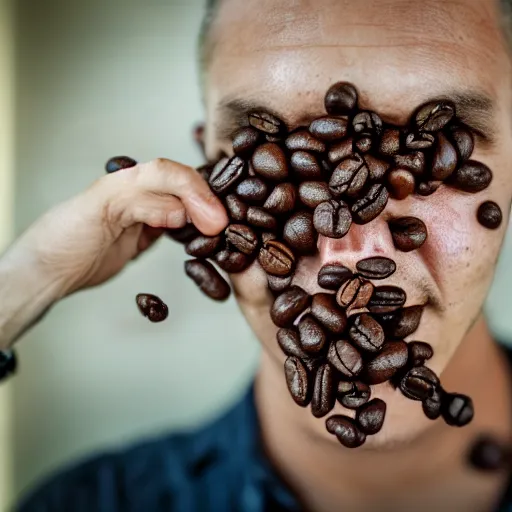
{"x":282,"y":55}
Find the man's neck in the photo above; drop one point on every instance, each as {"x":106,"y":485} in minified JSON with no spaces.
{"x":428,"y":473}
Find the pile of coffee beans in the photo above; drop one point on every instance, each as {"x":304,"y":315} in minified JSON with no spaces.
{"x":282,"y":190}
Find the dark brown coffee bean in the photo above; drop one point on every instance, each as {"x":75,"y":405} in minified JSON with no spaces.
{"x":401,"y":183}
{"x":232,"y":262}
{"x":245,"y":141}
{"x":401,"y":323}
{"x":242,"y":238}
{"x":312,"y":193}
{"x":279,"y":284}
{"x":364,"y":144}
{"x":370,"y":417}
{"x":276,"y":258}
{"x":227,"y":173}
{"x":267,"y":123}
{"x":324,"y":392}
{"x":489,"y":215}
{"x":269,"y":161}
{"x":152,"y":307}
{"x":237,"y":209}
{"x":419,"y":383}
{"x":421,"y":140}
{"x":457,"y":409}
{"x":377,"y":168}
{"x":282,"y":199}
{"x":299,"y":233}
{"x":367,"y":123}
{"x":353,"y":395}
{"x":445,"y":158}
{"x":489,"y":454}
{"x":354,"y":294}
{"x":371,"y":205}
{"x":185,"y":234}
{"x":306,"y":166}
{"x":366,"y":333}
{"x":332,"y":276}
{"x":302,"y":140}
{"x":349,"y":177}
{"x":390,"y":142}
{"x":377,"y":267}
{"x":341,"y":99}
{"x":329,"y":128}
{"x":409,"y":233}
{"x":463,"y":141}
{"x":260,"y":218}
{"x":341,"y":150}
{"x":327,"y":312}
{"x":434,"y":116}
{"x":332,"y":219}
{"x":289,"y":342}
{"x":252,"y":190}
{"x":206,"y":277}
{"x":472,"y":177}
{"x":297,"y":380}
{"x":289,"y":305}
{"x":413,"y":162}
{"x":346,"y":431}
{"x":432,"y":405}
{"x":384,"y":365}
{"x":386,"y":299}
{"x":427,"y":188}
{"x":118,"y":163}
{"x":312,"y":336}
{"x":203,"y":246}
{"x":419,"y":352}
{"x":345,"y":358}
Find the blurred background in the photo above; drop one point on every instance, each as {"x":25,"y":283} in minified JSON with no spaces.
{"x":81,"y":82}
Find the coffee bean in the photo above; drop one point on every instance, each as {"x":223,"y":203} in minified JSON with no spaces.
{"x":282,"y":199}
{"x":489,"y":215}
{"x":312,"y":336}
{"x":289,"y":305}
{"x":312,"y":193}
{"x":341,"y":99}
{"x":412,"y":162}
{"x":324,"y":392}
{"x":349,"y":177}
{"x":332,"y":276}
{"x":266,"y":123}
{"x":419,"y":383}
{"x":345,"y":358}
{"x":332,"y":219}
{"x":299,"y":233}
{"x":377,"y":267}
{"x":118,"y":163}
{"x":302,"y":140}
{"x":289,"y":342}
{"x":370,"y":417}
{"x":409,"y":233}
{"x":353,"y":395}
{"x":386,"y":299}
{"x":267,"y":236}
{"x":341,"y":150}
{"x":252,"y":190}
{"x":203,"y":246}
{"x":329,"y":128}
{"x":242,"y":238}
{"x":305,"y":166}
{"x":245,"y":141}
{"x":434,"y":116}
{"x":390,"y":142}
{"x":384,"y":365}
{"x":377,"y":168}
{"x":366,"y":333}
{"x":419,"y":352}
{"x":327,"y":312}
{"x":457,"y":409}
{"x":489,"y":454}
{"x":152,"y":307}
{"x":472,"y":177}
{"x":232,"y":262}
{"x":401,"y":323}
{"x":401,"y":183}
{"x":185,"y":234}
{"x":346,"y":431}
{"x":276,"y":258}
{"x":367,"y":123}
{"x":432,"y":405}
{"x":428,"y":188}
{"x":261,"y":218}
{"x":237,"y":209}
{"x":226,"y":173}
{"x":206,"y":277}
{"x":463,"y":141}
{"x":297,"y":380}
{"x":364,"y":144}
{"x":273,"y":138}
{"x":445,"y":158}
{"x":269,"y":161}
{"x":371,"y":205}
{"x":279,"y":284}
{"x":420,"y":140}
{"x":354,"y":294}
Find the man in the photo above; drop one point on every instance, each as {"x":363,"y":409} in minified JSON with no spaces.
{"x":268,"y":454}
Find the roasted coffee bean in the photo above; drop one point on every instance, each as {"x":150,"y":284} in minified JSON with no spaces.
{"x":276,"y":258}
{"x":289,"y":305}
{"x":353,"y":395}
{"x":489,"y":454}
{"x":463,"y":141}
{"x":384,"y":365}
{"x":332,"y":219}
{"x":366,"y":333}
{"x":329,"y":128}
{"x":367,"y":123}
{"x":206,"y":277}
{"x":377,"y":267}
{"x":312,"y":336}
{"x":432,"y":405}
{"x":119,"y":162}
{"x":390,"y":142}
{"x":282,"y":199}
{"x":341,"y":99}
{"x":242,"y":238}
{"x":312,"y":193}
{"x":269,"y":161}
{"x":386,"y":299}
{"x":252,"y":190}
{"x":260,"y":218}
{"x":332,"y":276}
{"x":237,"y":209}
{"x":279,"y":284}
{"x":267,"y":123}
{"x":377,"y":168}
{"x":306,"y":166}
{"x":419,"y":352}
{"x":185,"y":234}
{"x":341,"y":150}
{"x":245,"y":141}
{"x":354,"y":294}
{"x":401,"y":183}
{"x":370,"y":417}
{"x":409,"y":233}
{"x":289,"y":342}
{"x":203,"y":246}
{"x":371,"y":205}
{"x":227,"y":173}
{"x":345,"y":358}
{"x":273,"y":138}
{"x":364,"y":144}
{"x":297,"y":380}
{"x":302,"y":140}
{"x":472,"y":177}
{"x":434,"y":116}
{"x":401,"y":323}
{"x":349,"y":177}
{"x":420,"y":140}
{"x":489,"y":215}
{"x":427,"y":188}
{"x":445,"y":158}
{"x":419,"y":383}
{"x":346,"y":431}
{"x":457,"y":409}
{"x":412,"y":162}
{"x":324,"y":392}
{"x":327,"y":312}
{"x":232,"y":262}
{"x":152,"y":307}
{"x":299,"y":233}
{"x":267,"y":236}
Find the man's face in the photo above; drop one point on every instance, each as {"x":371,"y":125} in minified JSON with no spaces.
{"x":282,"y":56}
